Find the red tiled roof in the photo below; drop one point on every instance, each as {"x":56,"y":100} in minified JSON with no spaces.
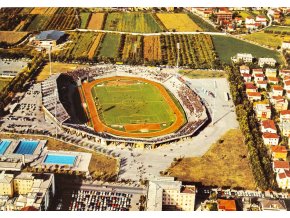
{"x":278,"y":88}
{"x":286,"y":78}
{"x":258,"y":70}
{"x":254,"y":94}
{"x":281,"y":164}
{"x":273,"y":79}
{"x":269,"y":124}
{"x":269,"y":135}
{"x":285,"y":112}
{"x":287,"y":83}
{"x":285,"y":71}
{"x":285,"y":174}
{"x":250,"y":86}
{"x":227,"y":205}
{"x":278,"y":97}
{"x":279,"y":149}
{"x":259,"y":75}
{"x":250,"y":17}
{"x":244,"y":67}
{"x":246,"y":75}
{"x":262,"y":82}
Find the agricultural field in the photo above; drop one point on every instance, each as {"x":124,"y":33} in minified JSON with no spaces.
{"x":93,"y":50}
{"x":12,"y":18}
{"x":12,"y":37}
{"x":202,"y":23}
{"x":38,"y":10}
{"x":152,"y":48}
{"x":224,"y":164}
{"x":26,"y":10}
{"x":84,"y":19}
{"x":226,"y":47}
{"x":96,"y":22}
{"x":272,"y":40}
{"x":196,"y":51}
{"x":133,"y":49}
{"x":178,"y":22}
{"x":110,"y":46}
{"x":278,"y":30}
{"x":3,"y":82}
{"x":40,"y":22}
{"x":287,"y":21}
{"x":132,"y":22}
{"x":79,"y":46}
{"x":56,"y":68}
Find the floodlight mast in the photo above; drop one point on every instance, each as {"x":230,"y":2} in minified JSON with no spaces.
{"x":49,"y":55}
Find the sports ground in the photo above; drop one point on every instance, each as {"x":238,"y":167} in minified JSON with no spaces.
{"x":131,"y":107}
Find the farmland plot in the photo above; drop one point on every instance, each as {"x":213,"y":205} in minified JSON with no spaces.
{"x":152,"y":49}
{"x":96,"y":21}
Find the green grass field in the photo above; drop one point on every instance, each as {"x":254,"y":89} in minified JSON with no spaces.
{"x":279,"y":29}
{"x":110,"y":45}
{"x":131,"y":103}
{"x":39,"y":23}
{"x":132,"y":22}
{"x":226,"y":47}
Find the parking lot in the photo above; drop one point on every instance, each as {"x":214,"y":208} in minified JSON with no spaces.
{"x":93,"y":200}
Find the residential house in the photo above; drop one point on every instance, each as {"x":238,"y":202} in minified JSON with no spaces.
{"x":287,"y":85}
{"x":279,"y":153}
{"x":285,"y":116}
{"x":285,"y":45}
{"x":284,"y":72}
{"x":254,"y":96}
{"x":262,"y":84}
{"x":244,"y":69}
{"x":277,"y":90}
{"x":279,"y":166}
{"x":223,"y":14}
{"x":270,"y":138}
{"x":250,"y":87}
{"x":247,"y":77}
{"x":257,"y":70}
{"x":245,"y":57}
{"x":268,"y":126}
{"x":271,"y":72}
{"x":280,"y":102}
{"x":273,"y":80}
{"x":283,"y":179}
{"x":262,"y":20}
{"x":268,"y":61}
{"x":259,"y":77}
{"x":250,"y":20}
{"x":277,"y":17}
{"x":272,"y":205}
{"x":238,"y":21}
{"x":288,"y":94}
{"x":285,"y":128}
{"x":252,"y":26}
{"x":226,"y":205}
{"x":263,"y":110}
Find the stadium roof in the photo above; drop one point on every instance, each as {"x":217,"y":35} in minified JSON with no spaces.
{"x":50,"y":35}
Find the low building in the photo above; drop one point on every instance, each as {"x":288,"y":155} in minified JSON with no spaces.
{"x":284,"y":72}
{"x":271,"y":72}
{"x":273,"y":80}
{"x":262,"y":84}
{"x":29,"y":190}
{"x":226,"y":205}
{"x":280,"y":102}
{"x":285,"y":116}
{"x":285,"y":45}
{"x":287,"y":85}
{"x":283,"y":179}
{"x":279,"y":166}
{"x":262,"y":20}
{"x":285,"y":128}
{"x":257,"y":70}
{"x":277,"y":90}
{"x":6,"y":184}
{"x":247,"y":77}
{"x":250,"y":87}
{"x":250,"y":20}
{"x":270,"y":138}
{"x":268,"y":126}
{"x":244,"y":69}
{"x":279,"y":153}
{"x":166,"y":194}
{"x":263,"y":110}
{"x":49,"y":38}
{"x":254,"y":96}
{"x":273,"y":205}
{"x":259,"y":77}
{"x":244,"y":57}
{"x":268,"y":61}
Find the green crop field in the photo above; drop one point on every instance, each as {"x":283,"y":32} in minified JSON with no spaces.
{"x":40,"y":22}
{"x":132,"y":103}
{"x":84,"y":20}
{"x":132,"y":22}
{"x":226,"y":47}
{"x":110,"y":45}
{"x":279,"y":29}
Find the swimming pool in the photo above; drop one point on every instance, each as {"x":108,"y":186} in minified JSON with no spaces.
{"x":60,"y":159}
{"x":4,"y":144}
{"x":26,"y":147}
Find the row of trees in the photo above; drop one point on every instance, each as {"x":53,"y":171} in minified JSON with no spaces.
{"x":257,"y":151}
{"x":18,"y":82}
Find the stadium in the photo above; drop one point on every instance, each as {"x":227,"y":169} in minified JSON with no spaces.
{"x":136,"y":106}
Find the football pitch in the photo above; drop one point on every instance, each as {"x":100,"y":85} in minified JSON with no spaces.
{"x":123,"y":102}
